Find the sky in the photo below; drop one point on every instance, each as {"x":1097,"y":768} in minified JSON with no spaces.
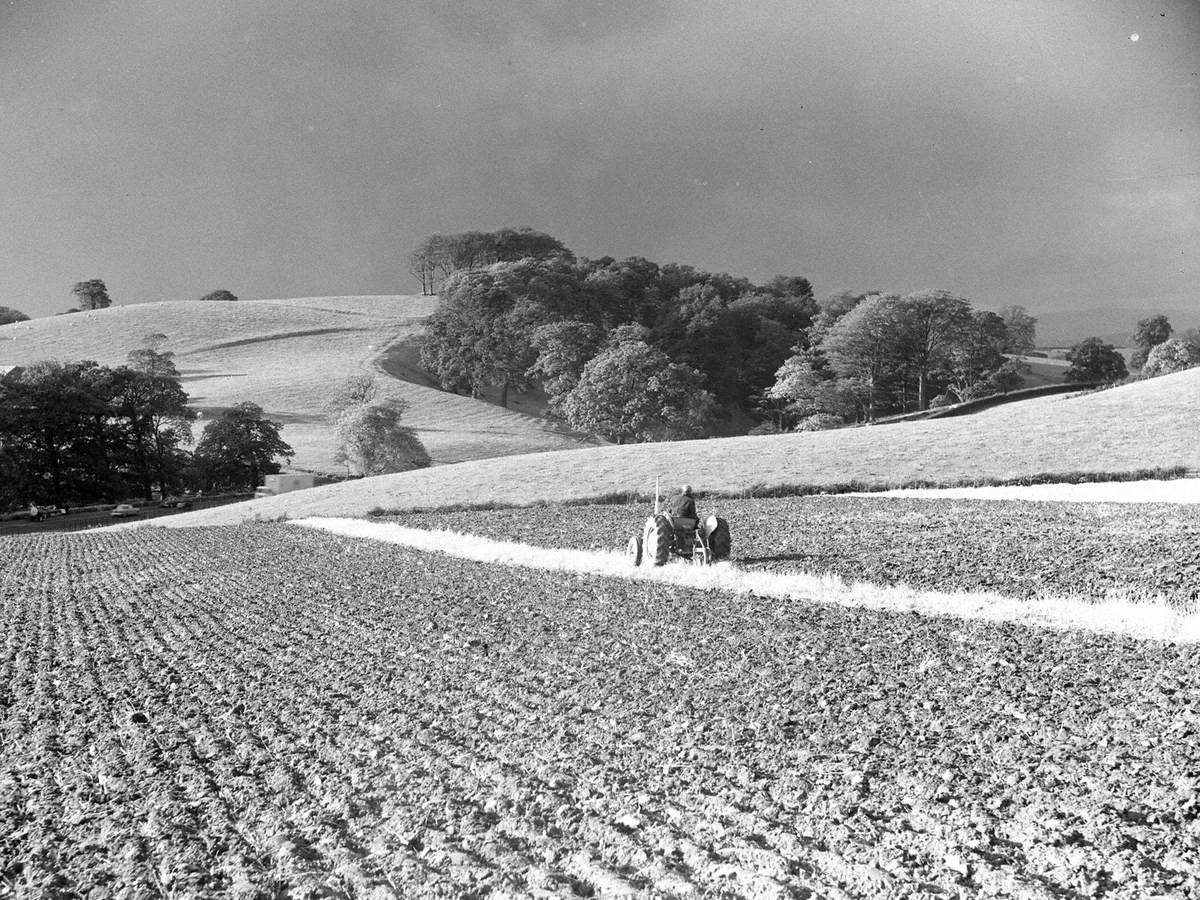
{"x":1042,"y":153}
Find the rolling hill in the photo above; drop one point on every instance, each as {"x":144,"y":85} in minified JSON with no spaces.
{"x":288,"y":356}
{"x":1146,"y":424}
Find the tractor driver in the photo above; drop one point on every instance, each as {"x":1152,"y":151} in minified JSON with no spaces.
{"x":683,"y":504}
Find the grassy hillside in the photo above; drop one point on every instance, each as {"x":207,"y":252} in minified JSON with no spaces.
{"x":1146,"y":424}
{"x":288,"y":356}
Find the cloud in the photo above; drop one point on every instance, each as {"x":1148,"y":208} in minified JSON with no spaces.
{"x":304,"y":148}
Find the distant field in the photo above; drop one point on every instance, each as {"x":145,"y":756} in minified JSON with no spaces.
{"x":1044,"y":370}
{"x":288,"y":356}
{"x":1146,"y":424}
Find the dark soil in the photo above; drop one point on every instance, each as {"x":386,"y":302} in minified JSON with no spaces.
{"x":271,"y":711}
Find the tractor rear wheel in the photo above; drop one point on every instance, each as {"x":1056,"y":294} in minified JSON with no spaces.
{"x":719,"y":542}
{"x":634,"y":549}
{"x":657,"y":540}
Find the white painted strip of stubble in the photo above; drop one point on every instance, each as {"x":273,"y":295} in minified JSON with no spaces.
{"x":1175,"y":490}
{"x":1146,"y":620}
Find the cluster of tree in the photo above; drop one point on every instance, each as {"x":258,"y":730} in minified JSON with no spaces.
{"x":8,"y":315}
{"x":76,"y":433}
{"x":440,"y":255}
{"x":872,"y":354}
{"x":1158,"y":353}
{"x":629,"y":349}
{"x":220,"y":295}
{"x":1155,"y":353}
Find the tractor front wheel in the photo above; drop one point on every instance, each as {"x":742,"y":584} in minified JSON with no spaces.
{"x":634,"y":549}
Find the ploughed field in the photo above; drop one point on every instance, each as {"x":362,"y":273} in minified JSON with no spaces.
{"x":272,"y":711}
{"x":1015,"y":548}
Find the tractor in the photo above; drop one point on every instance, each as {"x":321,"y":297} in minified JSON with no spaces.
{"x":700,"y":542}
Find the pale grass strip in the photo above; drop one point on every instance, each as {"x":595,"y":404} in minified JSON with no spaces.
{"x":1146,"y":620}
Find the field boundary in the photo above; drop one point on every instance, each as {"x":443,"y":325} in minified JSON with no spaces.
{"x":855,"y":487}
{"x":1145,"y":620}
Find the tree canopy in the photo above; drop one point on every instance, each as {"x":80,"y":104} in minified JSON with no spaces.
{"x":633,"y":392}
{"x":1151,"y":331}
{"x":479,"y":334}
{"x":1093,"y":360}
{"x":220,"y":295}
{"x":373,"y":440}
{"x":1171,"y":355}
{"x":91,"y":294}
{"x":1021,"y":329}
{"x":238,"y":448}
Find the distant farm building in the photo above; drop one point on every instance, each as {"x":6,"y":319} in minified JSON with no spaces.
{"x":282,"y":484}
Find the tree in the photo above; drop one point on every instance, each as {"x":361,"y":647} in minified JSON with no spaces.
{"x":630,"y":290}
{"x":837,"y":305}
{"x":372,"y":439}
{"x":220,"y":295}
{"x":237,"y":449}
{"x":153,"y":362}
{"x":45,"y":415}
{"x":930,"y":324}
{"x":978,"y":354}
{"x":555,"y":286}
{"x":153,"y":405}
{"x":1172,"y":355}
{"x":861,"y":345}
{"x":563,"y":349}
{"x":355,"y":391}
{"x":1021,"y":329}
{"x":92,"y":294}
{"x":1151,"y":331}
{"x":426,"y":263}
{"x":511,"y":244}
{"x":633,"y":392}
{"x":791,"y":286}
{"x":8,"y":315}
{"x":479,"y":334}
{"x":804,"y":387}
{"x":1093,"y":360}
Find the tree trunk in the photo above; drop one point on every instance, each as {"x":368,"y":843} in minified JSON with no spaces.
{"x":504,"y":395}
{"x":922,"y":399}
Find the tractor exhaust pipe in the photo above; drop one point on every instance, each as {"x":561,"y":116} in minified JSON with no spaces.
{"x":656,"y":496}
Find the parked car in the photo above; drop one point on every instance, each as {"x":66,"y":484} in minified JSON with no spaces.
{"x":123,"y":510}
{"x":175,"y":503}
